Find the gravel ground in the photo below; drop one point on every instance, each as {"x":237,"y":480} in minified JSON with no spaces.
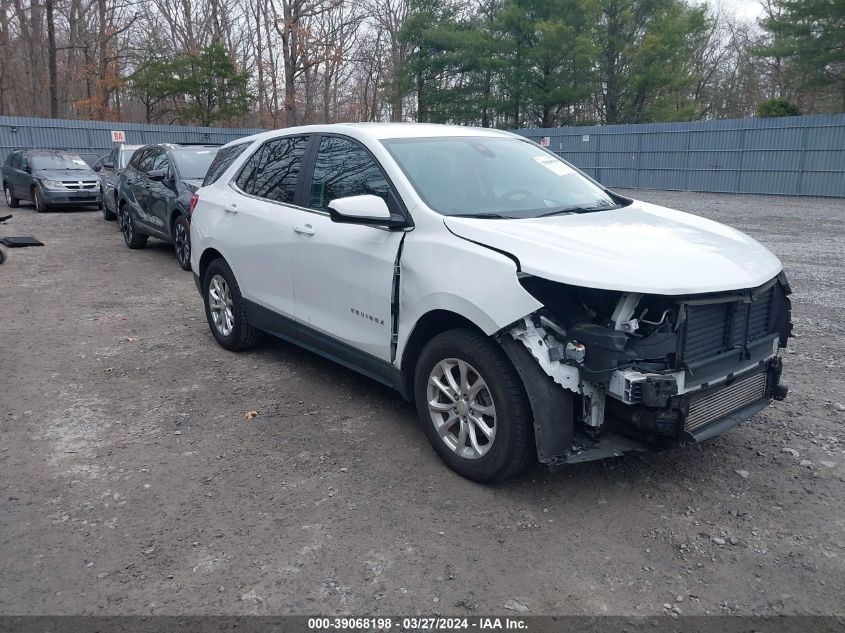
{"x":131,"y":482}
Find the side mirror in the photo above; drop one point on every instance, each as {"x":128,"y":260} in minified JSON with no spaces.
{"x":28,"y":169}
{"x":365,"y":209}
{"x":157,"y":174}
{"x":107,"y":165}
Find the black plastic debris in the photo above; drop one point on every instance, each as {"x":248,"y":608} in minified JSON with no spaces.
{"x":20,"y":242}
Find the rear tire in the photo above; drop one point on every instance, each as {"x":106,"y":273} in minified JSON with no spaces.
{"x":225,"y":309}
{"x":108,"y":214}
{"x":132,"y":238}
{"x":11,"y":201}
{"x":483,"y":429}
{"x":182,"y":240}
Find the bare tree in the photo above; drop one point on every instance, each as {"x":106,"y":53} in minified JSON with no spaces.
{"x":389,"y":17}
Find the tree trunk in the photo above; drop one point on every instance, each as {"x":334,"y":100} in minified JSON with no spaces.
{"x":51,"y":61}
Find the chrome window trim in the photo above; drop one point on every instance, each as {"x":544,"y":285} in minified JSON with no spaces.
{"x":234,"y":186}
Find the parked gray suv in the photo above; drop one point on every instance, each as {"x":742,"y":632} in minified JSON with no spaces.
{"x":50,"y":179}
{"x":110,"y":167}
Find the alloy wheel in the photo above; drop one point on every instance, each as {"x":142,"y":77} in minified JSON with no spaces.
{"x":8,"y":197}
{"x":183,"y":243}
{"x":220,"y":305}
{"x":461,"y":408}
{"x":125,"y":224}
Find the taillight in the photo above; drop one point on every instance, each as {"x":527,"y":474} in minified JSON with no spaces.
{"x":192,"y":204}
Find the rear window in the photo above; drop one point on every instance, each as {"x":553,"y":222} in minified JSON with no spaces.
{"x":224,"y":159}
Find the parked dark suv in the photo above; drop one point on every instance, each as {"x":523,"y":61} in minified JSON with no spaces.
{"x":154,"y":194}
{"x":50,"y":178}
{"x":110,"y":167}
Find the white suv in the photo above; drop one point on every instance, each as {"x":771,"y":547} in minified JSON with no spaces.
{"x":531,"y":313}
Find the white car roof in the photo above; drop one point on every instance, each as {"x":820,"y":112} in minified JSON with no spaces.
{"x":380,"y":131}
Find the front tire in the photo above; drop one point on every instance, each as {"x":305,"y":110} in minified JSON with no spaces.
{"x":182,"y":241}
{"x":40,"y":205}
{"x":473,"y":406}
{"x":225,"y":308}
{"x":11,"y":201}
{"x":132,"y":238}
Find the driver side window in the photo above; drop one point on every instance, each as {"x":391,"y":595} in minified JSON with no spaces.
{"x":343,"y":169}
{"x":144,"y":160}
{"x":160,"y":162}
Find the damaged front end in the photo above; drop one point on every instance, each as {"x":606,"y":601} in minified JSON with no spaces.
{"x":608,"y":372}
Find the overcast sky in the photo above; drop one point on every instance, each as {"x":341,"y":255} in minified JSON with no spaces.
{"x":746,"y":9}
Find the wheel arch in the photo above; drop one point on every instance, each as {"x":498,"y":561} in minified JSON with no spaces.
{"x":428,"y":326}
{"x":208,"y":256}
{"x":175,"y":212}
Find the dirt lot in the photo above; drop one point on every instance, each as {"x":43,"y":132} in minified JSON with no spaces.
{"x":130,"y":481}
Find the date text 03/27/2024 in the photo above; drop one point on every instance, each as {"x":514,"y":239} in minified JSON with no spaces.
{"x":416,"y":623}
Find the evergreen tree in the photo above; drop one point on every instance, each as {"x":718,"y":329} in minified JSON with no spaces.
{"x":810,"y":34}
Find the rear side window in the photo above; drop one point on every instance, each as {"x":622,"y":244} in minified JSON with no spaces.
{"x":273,"y":171}
{"x":222,"y":161}
{"x":343,"y":169}
{"x":246,"y":179}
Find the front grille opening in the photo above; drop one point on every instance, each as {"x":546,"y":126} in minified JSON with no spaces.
{"x":76,"y":185}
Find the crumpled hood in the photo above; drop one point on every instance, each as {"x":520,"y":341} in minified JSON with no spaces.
{"x":639,"y":248}
{"x":65,"y":174}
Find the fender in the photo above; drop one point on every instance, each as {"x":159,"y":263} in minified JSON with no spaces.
{"x":435,"y":269}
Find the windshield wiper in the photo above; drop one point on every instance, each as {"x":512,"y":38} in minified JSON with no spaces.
{"x":488,"y":215}
{"x":577,"y":209}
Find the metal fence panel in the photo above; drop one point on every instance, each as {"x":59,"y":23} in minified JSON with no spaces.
{"x":95,"y":136}
{"x":792,"y":155}
{"x":801,"y":156}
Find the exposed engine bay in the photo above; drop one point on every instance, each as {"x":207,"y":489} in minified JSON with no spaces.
{"x":647,"y":371}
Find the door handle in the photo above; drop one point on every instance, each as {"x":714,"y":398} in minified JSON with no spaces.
{"x":305,"y":229}
{"x":230,"y":208}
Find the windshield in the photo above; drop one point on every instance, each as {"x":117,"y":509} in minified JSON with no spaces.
{"x":123,"y":157}
{"x":59,"y":161}
{"x":495,"y":177}
{"x":193,"y":164}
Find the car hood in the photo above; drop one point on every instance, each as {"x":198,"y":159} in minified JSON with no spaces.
{"x":65,"y":174}
{"x":638,"y":248}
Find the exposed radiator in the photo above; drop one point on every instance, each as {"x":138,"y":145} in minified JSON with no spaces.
{"x":718,"y":403}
